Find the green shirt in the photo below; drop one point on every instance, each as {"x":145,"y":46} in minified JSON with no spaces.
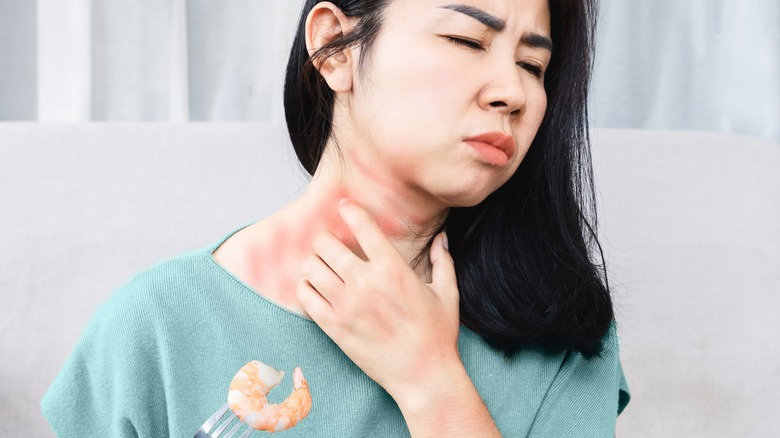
{"x":157,"y":360}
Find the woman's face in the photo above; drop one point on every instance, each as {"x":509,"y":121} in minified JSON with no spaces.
{"x":439,"y":73}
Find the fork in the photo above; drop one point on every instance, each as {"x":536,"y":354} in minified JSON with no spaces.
{"x":205,"y":431}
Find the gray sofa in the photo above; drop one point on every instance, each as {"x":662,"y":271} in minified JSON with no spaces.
{"x":689,"y":224}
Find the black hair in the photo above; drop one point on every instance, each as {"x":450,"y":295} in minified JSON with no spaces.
{"x":308,"y":100}
{"x":530,"y":269}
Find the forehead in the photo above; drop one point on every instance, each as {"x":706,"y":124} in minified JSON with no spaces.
{"x":516,"y":16}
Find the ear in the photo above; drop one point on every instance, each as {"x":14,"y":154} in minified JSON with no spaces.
{"x":324,"y":23}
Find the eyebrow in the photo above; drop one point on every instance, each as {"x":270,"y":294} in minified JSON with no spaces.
{"x":534,"y":40}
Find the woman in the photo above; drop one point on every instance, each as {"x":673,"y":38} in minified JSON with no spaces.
{"x":434,"y":279}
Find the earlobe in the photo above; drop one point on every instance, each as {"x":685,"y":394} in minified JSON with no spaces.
{"x":325,"y":23}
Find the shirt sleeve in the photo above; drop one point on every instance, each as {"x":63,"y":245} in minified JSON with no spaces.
{"x":586,"y":397}
{"x":111,"y":384}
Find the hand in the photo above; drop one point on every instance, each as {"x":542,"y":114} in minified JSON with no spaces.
{"x":390,"y":323}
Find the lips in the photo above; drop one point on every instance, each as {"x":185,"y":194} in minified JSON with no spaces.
{"x":495,"y":147}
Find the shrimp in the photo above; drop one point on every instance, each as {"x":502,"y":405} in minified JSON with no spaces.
{"x":248,"y":392}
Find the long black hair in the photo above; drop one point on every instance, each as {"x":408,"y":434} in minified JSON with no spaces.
{"x":529,"y":265}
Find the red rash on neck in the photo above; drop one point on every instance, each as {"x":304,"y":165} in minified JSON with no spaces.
{"x":388,"y":210}
{"x":274,"y":254}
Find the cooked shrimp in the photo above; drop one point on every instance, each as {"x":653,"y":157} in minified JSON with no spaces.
{"x":248,"y":398}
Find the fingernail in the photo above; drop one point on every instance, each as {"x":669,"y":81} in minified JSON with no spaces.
{"x":445,"y":241}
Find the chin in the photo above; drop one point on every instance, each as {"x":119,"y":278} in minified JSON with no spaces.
{"x":467,"y":198}
{"x":470,"y":193}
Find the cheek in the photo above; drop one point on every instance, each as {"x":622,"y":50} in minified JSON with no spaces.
{"x":438,"y":83}
{"x":538,"y":106}
{"x":528,"y":126}
{"x":532,"y":119}
{"x":419,"y":94}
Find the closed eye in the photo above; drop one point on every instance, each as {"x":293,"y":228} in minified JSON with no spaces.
{"x":471,"y":44}
{"x":533,"y":69}
{"x":467,"y":43}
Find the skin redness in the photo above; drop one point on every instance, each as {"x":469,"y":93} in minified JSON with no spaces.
{"x":437,"y":76}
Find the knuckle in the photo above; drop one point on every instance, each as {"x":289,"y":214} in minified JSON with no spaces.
{"x":358,"y":216}
{"x":302,"y":293}
{"x":307,"y":267}
{"x":344,"y":262}
{"x":320,"y":243}
{"x":389,"y":273}
{"x":360,"y":282}
{"x":357,"y":222}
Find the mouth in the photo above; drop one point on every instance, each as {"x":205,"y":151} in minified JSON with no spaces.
{"x":496,"y":147}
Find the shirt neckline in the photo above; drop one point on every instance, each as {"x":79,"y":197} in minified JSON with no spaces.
{"x":209,"y":252}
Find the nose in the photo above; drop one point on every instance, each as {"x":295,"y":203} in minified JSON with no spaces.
{"x":504,"y":91}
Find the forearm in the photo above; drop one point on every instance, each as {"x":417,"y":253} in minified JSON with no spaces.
{"x":450,"y":406}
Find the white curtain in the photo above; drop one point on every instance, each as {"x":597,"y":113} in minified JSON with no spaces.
{"x":708,"y":65}
{"x":173,"y":60}
{"x":661,"y":64}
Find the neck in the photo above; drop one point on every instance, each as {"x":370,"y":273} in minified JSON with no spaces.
{"x":408,"y":218}
{"x":270,"y":255}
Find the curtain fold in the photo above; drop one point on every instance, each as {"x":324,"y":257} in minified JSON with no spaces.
{"x":18,"y":63}
{"x":64,"y":54}
{"x":179,"y":79}
{"x":145,"y":60}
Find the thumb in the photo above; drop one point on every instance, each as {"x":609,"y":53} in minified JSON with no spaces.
{"x":443,"y":277}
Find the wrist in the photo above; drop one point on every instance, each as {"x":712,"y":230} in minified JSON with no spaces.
{"x":423,"y":374}
{"x":443,"y":383}
{"x":447,"y":406}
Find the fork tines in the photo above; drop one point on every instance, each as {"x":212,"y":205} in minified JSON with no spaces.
{"x":206,"y":431}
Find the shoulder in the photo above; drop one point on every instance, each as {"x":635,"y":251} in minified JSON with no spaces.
{"x":158,"y":286}
{"x":595,"y":389}
{"x":168,"y":273}
{"x":604,"y":368}
{"x":133,"y":319}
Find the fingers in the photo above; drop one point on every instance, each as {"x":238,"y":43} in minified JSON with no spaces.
{"x":367,"y":232}
{"x":321,"y":286}
{"x":340,"y":259}
{"x":322,"y":278}
{"x":443,"y":273}
{"x":315,"y":305}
